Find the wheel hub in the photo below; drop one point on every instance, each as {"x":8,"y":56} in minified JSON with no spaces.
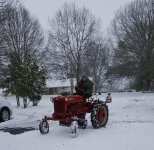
{"x":5,"y":115}
{"x":101,"y":115}
{"x":45,"y":126}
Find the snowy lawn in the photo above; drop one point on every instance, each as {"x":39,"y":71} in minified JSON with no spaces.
{"x":130,"y":127}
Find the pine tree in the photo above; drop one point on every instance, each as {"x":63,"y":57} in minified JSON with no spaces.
{"x":25,"y":79}
{"x":36,"y":83}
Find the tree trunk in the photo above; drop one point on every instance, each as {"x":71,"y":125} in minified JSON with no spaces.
{"x":35,"y":103}
{"x":148,"y":84}
{"x":25,"y":102}
{"x":78,"y":74}
{"x":18,"y":101}
{"x":72,"y":85}
{"x":94,"y":85}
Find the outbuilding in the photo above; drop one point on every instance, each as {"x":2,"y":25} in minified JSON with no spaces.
{"x":56,"y":87}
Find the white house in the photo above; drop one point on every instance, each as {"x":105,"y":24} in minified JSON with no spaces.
{"x":56,"y":87}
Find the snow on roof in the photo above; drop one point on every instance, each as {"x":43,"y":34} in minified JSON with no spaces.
{"x":50,"y":83}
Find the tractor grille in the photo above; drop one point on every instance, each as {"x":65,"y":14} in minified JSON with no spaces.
{"x":59,"y":106}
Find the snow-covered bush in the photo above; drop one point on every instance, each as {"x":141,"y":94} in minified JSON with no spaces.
{"x":35,"y":98}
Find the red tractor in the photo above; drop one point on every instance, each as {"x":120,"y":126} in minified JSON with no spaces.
{"x":69,"y":109}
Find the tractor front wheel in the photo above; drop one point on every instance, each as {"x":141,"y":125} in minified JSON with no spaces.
{"x":99,"y":115}
{"x":44,"y":127}
{"x":74,"y":129}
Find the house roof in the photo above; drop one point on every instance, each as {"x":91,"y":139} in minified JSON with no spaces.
{"x":50,"y":83}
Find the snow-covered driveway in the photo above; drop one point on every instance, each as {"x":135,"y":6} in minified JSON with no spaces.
{"x":29,"y":117}
{"x":130,"y":127}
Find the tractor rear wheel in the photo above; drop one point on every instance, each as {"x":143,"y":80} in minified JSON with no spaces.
{"x":99,"y":115}
{"x":44,"y":127}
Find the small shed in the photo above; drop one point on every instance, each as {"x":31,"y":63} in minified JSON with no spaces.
{"x":56,"y":87}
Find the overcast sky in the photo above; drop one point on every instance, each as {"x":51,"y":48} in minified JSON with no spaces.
{"x":103,"y":9}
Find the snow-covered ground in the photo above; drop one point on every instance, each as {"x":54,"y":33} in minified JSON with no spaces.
{"x":130,"y":127}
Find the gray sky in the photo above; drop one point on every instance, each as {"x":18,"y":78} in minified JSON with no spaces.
{"x":103,"y":9}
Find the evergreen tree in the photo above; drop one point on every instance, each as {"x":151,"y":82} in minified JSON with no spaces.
{"x":25,"y":79}
{"x":37,"y":82}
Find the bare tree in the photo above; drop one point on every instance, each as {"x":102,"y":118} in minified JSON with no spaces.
{"x":22,"y":33}
{"x":22,"y":41}
{"x":133,"y":28}
{"x":4,"y":6}
{"x":70,"y":32}
{"x":97,"y":61}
